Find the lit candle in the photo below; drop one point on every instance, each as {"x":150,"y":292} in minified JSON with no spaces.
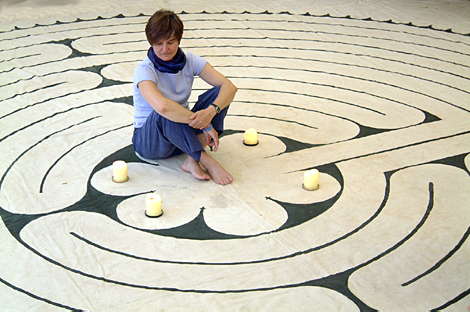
{"x":311,"y":180}
{"x":250,"y":137}
{"x":153,"y":205}
{"x":120,"y":171}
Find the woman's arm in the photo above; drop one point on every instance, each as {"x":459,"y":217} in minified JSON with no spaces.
{"x":202,"y":118}
{"x":163,"y":105}
{"x":227,"y":88}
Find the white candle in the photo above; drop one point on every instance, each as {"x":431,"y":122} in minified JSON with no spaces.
{"x":120,"y":171}
{"x":153,"y":205}
{"x":250,"y":137}
{"x":311,"y":180}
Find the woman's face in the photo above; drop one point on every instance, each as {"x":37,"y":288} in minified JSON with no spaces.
{"x":166,"y":49}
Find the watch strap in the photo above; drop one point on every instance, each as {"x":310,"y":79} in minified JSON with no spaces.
{"x":217,"y":108}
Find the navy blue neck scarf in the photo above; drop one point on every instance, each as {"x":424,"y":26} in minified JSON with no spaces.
{"x":173,"y":66}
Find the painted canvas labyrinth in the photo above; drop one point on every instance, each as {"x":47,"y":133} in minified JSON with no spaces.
{"x":381,"y":109}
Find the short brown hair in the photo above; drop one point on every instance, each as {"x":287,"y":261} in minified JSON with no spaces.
{"x":162,"y":25}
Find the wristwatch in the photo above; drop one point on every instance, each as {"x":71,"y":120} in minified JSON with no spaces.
{"x":217,"y":108}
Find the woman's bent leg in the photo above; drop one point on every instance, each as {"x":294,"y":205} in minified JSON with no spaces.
{"x":162,"y":138}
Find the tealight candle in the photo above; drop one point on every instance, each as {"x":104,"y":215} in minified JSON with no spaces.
{"x":120,"y":171}
{"x":250,"y":137}
{"x":311,"y":180}
{"x":153,"y":205}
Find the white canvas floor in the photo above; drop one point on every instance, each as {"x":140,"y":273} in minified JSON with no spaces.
{"x":370,"y":95}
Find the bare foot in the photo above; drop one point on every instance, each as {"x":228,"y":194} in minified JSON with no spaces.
{"x":216,"y":171}
{"x":193,"y":167}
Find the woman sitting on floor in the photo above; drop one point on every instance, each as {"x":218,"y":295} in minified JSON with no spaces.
{"x":163,"y":124}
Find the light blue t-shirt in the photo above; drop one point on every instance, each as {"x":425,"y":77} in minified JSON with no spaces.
{"x":176,"y":87}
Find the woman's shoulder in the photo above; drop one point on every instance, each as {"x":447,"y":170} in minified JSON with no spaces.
{"x":145,"y":63}
{"x":191,"y":55}
{"x":195,"y":61}
{"x":145,"y":70}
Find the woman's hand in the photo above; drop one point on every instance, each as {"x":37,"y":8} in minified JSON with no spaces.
{"x":212,"y":139}
{"x":201,"y":119}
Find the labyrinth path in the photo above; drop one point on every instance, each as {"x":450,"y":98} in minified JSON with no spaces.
{"x":381,"y":109}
